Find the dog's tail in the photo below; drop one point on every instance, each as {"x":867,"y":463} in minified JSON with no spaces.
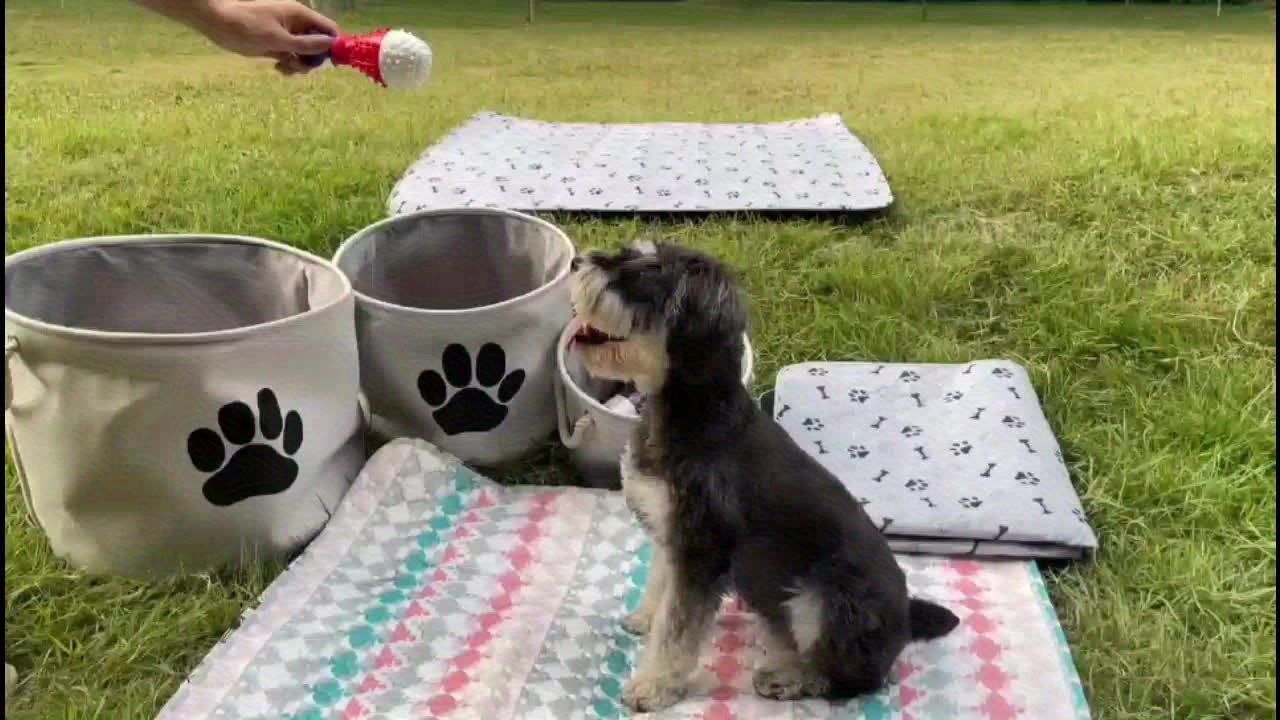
{"x":930,"y":620}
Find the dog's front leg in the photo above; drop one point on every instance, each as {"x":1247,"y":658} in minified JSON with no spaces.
{"x":641,"y":620}
{"x":684,"y":616}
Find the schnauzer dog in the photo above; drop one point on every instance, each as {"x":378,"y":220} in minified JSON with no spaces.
{"x":731,"y":501}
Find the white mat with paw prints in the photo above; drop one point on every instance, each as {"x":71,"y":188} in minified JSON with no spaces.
{"x":947,"y":459}
{"x":437,"y":593}
{"x":809,"y":165}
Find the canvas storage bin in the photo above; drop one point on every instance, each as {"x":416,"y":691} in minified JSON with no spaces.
{"x":173,"y":403}
{"x":457,"y":314}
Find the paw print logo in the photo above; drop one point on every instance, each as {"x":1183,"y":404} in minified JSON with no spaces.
{"x":468,"y":406}
{"x":256,"y":468}
{"x":909,"y":376}
{"x":859,"y":395}
{"x":857,"y":452}
{"x":1002,"y":372}
{"x":917,"y":485}
{"x":812,"y":424}
{"x":952,"y":396}
{"x":1013,"y":421}
{"x":961,"y":448}
{"x":596,"y":191}
{"x":734,"y":194}
{"x":911,"y":431}
{"x":969,"y":503}
{"x":817,"y":371}
{"x":1026,"y":478}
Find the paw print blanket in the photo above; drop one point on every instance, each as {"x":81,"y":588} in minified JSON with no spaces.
{"x":437,"y":593}
{"x":806,"y":165}
{"x":947,"y":459}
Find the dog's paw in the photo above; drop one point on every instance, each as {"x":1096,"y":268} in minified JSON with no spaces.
{"x":782,"y":683}
{"x":645,"y":693}
{"x":638,"y":622}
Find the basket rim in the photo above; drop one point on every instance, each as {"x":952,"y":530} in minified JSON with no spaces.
{"x":158,"y":339}
{"x":560,"y":278}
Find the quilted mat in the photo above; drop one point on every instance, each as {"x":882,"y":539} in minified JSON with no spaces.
{"x":436,"y":593}
{"x":809,"y":165}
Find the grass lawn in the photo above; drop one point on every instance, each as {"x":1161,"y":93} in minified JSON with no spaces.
{"x":1089,"y":191}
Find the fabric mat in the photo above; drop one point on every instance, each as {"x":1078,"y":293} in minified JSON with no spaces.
{"x":947,"y":459}
{"x":437,"y":593}
{"x":810,"y":165}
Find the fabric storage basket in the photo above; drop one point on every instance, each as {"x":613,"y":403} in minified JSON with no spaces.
{"x":457,"y":314}
{"x":175,"y":403}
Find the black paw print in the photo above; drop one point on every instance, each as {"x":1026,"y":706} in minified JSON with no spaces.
{"x":812,"y":424}
{"x":909,"y":376}
{"x":1013,"y":421}
{"x":1026,"y":478}
{"x":859,"y":395}
{"x":255,"y":468}
{"x":470,"y":408}
{"x":857,"y":452}
{"x":952,"y":396}
{"x":1002,"y":372}
{"x":911,"y":431}
{"x":817,"y":371}
{"x":961,"y":448}
{"x":970,"y":503}
{"x":917,"y":485}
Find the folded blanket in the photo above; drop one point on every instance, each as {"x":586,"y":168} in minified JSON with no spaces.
{"x":947,"y":459}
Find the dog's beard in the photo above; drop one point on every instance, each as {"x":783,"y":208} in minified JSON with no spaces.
{"x":605,"y":336}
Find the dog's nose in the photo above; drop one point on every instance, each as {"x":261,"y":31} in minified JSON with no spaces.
{"x":575,"y":263}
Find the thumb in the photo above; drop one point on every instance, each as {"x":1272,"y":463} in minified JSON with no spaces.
{"x":306,"y":44}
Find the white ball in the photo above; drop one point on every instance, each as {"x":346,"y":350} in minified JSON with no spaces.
{"x":404,"y":60}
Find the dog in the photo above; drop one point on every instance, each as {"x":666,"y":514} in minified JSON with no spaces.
{"x":731,"y":502}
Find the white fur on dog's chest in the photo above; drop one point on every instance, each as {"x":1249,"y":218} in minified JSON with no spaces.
{"x":646,"y":495}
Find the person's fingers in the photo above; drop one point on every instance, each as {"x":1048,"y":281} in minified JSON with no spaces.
{"x":306,"y":20}
{"x":304,"y":44}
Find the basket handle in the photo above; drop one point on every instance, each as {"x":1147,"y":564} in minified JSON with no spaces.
{"x":10,"y":349}
{"x":570,"y":437}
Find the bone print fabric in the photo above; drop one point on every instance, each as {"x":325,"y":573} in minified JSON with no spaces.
{"x":436,"y":593}
{"x":811,"y":165}
{"x":947,"y":459}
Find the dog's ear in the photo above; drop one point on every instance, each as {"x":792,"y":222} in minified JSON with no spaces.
{"x":706,"y":317}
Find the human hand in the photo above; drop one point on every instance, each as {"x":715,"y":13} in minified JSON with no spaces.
{"x":279,"y":29}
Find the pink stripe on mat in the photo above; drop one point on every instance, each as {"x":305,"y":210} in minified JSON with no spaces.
{"x":456,"y":678}
{"x":991,"y":679}
{"x":729,"y":661}
{"x":385,"y":658}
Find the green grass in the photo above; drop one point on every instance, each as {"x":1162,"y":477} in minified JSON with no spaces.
{"x":1089,"y":191}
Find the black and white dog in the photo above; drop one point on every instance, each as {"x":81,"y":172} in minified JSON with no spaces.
{"x":731,"y":501}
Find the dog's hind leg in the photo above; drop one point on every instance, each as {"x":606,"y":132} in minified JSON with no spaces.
{"x":786,"y":673}
{"x":659,"y":577}
{"x":682,"y":622}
